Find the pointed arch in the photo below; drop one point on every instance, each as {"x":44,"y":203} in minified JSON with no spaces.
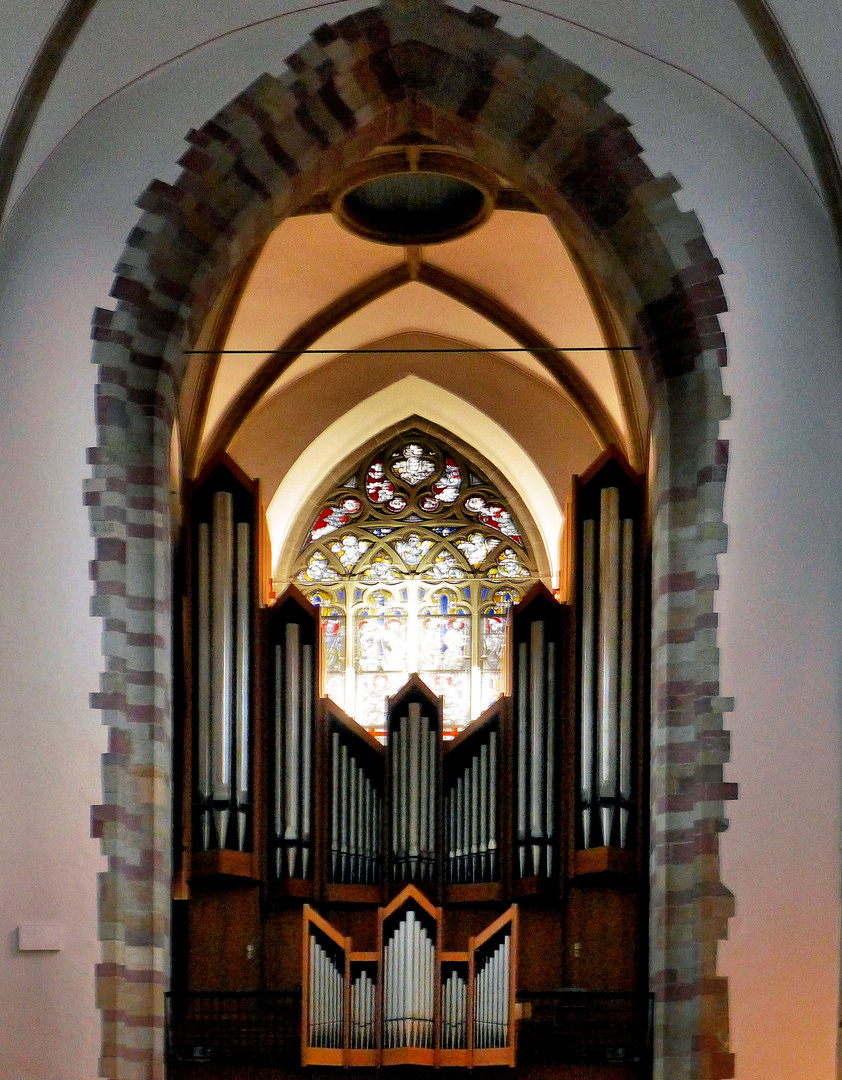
{"x":545,"y":124}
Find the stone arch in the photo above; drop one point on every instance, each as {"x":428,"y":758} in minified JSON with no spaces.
{"x":523,"y":111}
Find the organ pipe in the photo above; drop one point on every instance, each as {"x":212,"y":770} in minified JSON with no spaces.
{"x":203,"y":710}
{"x":587,"y":637}
{"x":608,"y":673}
{"x":242,"y":675}
{"x":626,"y":693}
{"x":222,"y":637}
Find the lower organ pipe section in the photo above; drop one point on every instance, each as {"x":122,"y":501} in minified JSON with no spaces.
{"x":363,"y":993}
{"x":223,"y":647}
{"x":325,"y":995}
{"x":470,"y":813}
{"x":354,"y":815}
{"x":409,"y":980}
{"x":454,"y":1008}
{"x":491,"y":995}
{"x":606,"y":624}
{"x":407,"y":1002}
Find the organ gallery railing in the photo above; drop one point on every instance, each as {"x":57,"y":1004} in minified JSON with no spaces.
{"x":409,"y":1003}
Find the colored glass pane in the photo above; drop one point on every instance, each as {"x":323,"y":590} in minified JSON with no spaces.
{"x":414,"y":465}
{"x":378,"y":488}
{"x":334,"y":517}
{"x":412,"y":549}
{"x":318,"y":569}
{"x":476,"y":547}
{"x":508,"y":566}
{"x":349,"y":549}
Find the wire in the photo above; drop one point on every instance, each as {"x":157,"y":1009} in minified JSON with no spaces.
{"x":457,"y":349}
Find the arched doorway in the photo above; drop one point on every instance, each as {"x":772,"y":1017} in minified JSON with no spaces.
{"x":525,"y":113}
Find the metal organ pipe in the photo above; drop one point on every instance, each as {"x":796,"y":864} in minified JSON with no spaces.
{"x":222,"y":636}
{"x":242,"y":675}
{"x":203,"y":705}
{"x":492,"y":804}
{"x":588,"y":589}
{"x":431,"y":789}
{"x":627,"y":611}
{"x":293,"y":742}
{"x":609,"y":612}
{"x":522,"y":793}
{"x":539,"y":793}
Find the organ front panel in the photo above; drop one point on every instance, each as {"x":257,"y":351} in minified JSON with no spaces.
{"x":292,"y":648}
{"x":475,"y":808}
{"x":419,"y":891}
{"x":538,"y":644}
{"x":414,"y":768}
{"x":608,"y":619}
{"x":356,"y":769}
{"x":223,"y":539}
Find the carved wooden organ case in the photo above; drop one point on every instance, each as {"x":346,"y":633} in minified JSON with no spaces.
{"x":417,"y":892}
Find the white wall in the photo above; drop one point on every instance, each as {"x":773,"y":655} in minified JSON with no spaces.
{"x":781,"y":579}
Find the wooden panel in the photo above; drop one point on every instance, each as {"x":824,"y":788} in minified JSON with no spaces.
{"x":282,"y":949}
{"x":602,"y":934}
{"x":541,"y":954}
{"x":224,"y":934}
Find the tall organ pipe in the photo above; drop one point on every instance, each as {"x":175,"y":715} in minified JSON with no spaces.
{"x":334,"y":814}
{"x":538,"y":793}
{"x":627,"y":605}
{"x":609,"y":612}
{"x":306,"y":753}
{"x":588,"y":589}
{"x":222,"y":631}
{"x":242,"y":675}
{"x":521,"y":757}
{"x":492,"y":803}
{"x":550,"y":796}
{"x":203,"y":711}
{"x":293,"y":743}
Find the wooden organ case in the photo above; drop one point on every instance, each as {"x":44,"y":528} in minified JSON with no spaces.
{"x":426,"y":897}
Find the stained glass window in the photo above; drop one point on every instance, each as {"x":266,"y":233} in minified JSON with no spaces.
{"x":412,"y":561}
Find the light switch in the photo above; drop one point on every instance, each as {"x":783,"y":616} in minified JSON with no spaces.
{"x":40,"y":937}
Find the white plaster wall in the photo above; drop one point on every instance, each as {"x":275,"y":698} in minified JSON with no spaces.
{"x":50,"y":741}
{"x":779,"y":601}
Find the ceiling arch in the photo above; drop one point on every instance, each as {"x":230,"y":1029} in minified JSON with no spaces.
{"x":453,"y":286}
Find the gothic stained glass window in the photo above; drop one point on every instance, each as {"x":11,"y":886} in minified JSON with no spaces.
{"x":414,"y":561}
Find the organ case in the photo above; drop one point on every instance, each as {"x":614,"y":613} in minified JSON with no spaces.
{"x":538,"y":800}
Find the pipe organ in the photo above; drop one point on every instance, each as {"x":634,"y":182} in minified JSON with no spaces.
{"x":436,"y":878}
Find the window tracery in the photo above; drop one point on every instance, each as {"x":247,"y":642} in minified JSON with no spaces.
{"x":413,"y":561}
